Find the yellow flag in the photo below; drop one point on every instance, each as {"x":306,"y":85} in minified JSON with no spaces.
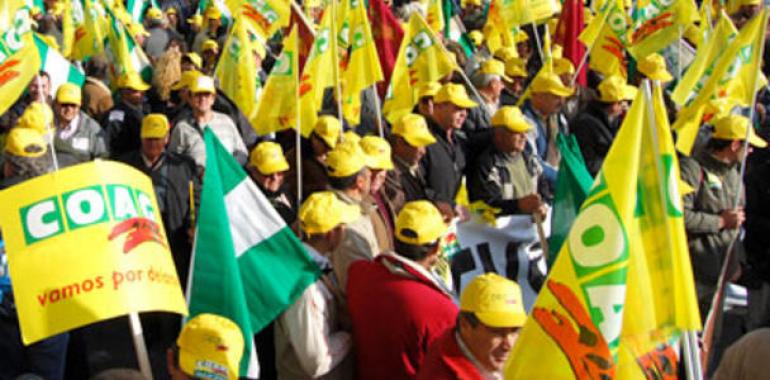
{"x":608,"y":34}
{"x":497,"y":33}
{"x":622,"y":284}
{"x":320,"y":72}
{"x":86,"y":244}
{"x":265,"y":16}
{"x":522,"y":12}
{"x":90,"y":32}
{"x":435,"y":16}
{"x":659,"y":23}
{"x":19,"y":58}
{"x":363,"y":69}
{"x":735,"y":76}
{"x":68,"y":30}
{"x":237,"y":71}
{"x":277,"y":109}
{"x":421,"y":59}
{"x":705,"y":61}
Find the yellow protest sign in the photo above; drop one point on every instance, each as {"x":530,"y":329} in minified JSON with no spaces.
{"x":85,"y":244}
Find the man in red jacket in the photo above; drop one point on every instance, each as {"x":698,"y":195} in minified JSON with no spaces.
{"x":397,"y":306}
{"x":491,"y":315}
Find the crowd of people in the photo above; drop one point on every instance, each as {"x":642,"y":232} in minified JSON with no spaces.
{"x":371,"y":209}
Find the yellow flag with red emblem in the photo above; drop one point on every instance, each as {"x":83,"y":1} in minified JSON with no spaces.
{"x":608,"y":35}
{"x":363,"y":68}
{"x":320,"y":72}
{"x":659,"y":23}
{"x":19,"y":58}
{"x":277,"y":109}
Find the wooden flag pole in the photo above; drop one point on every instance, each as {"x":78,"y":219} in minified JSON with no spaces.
{"x":139,"y":345}
{"x":298,"y":132}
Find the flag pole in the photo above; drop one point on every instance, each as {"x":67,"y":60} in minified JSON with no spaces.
{"x":694,"y":370}
{"x":714,"y":317}
{"x":589,"y":48}
{"x":679,"y":54}
{"x":301,"y":16}
{"x":335,"y":55}
{"x":298,"y":132}
{"x":377,"y":110}
{"x":139,"y":345}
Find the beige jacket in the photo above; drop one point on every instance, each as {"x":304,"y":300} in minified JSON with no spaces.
{"x":359,"y":242}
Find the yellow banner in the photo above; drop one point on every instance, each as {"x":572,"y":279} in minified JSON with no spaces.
{"x":86,"y":244}
{"x":19,"y":59}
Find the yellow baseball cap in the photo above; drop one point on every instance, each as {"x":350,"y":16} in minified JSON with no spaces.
{"x":171,"y":11}
{"x":213,"y":12}
{"x":476,"y":37}
{"x":194,"y":58}
{"x":455,"y":94}
{"x":25,"y":142}
{"x":37,"y":116}
{"x":268,"y":158}
{"x":520,"y":36}
{"x":188,"y":77}
{"x":378,"y":150}
{"x":209,"y":45}
{"x":69,"y":93}
{"x":516,"y":67}
{"x":551,"y":83}
{"x":615,"y":89}
{"x":321,"y":212}
{"x":510,"y":117}
{"x":154,"y":126}
{"x":733,"y":127}
{"x":653,"y":66}
{"x":419,"y":223}
{"x":414,"y":129}
{"x":195,"y":20}
{"x":328,"y":129}
{"x":203,"y":83}
{"x":351,"y":136}
{"x":429,"y":89}
{"x":494,"y":67}
{"x":210,"y":347}
{"x":154,"y":14}
{"x":132,"y":81}
{"x":346,"y":159}
{"x":494,"y":300}
{"x":137,"y":29}
{"x":505,"y":53}
{"x":563,"y":66}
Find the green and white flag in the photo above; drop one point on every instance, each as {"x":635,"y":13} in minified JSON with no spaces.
{"x":136,"y":8}
{"x":58,"y":68}
{"x":248,"y":265}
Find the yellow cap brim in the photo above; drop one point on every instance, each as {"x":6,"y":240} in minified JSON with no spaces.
{"x":419,"y":140}
{"x":661,"y":75}
{"x":561,"y":91}
{"x":502,"y":318}
{"x":757,"y":141}
{"x":518,"y":127}
{"x":463,"y":103}
{"x":273,"y":167}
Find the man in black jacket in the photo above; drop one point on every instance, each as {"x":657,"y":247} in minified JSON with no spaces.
{"x":123,"y":120}
{"x":596,"y":126}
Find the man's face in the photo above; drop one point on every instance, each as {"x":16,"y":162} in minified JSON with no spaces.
{"x":172,"y":19}
{"x":131,"y":96}
{"x":364,"y":181}
{"x":214,"y":24}
{"x":378,"y":179}
{"x":425,"y":106}
{"x":270,"y":182}
{"x":202,"y":101}
{"x":152,"y":148}
{"x":524,"y":49}
{"x":319,"y":146}
{"x":410,"y":154}
{"x":516,"y":86}
{"x":187,"y":65}
{"x":496,"y":86}
{"x":39,"y":87}
{"x":67,"y":112}
{"x":489,"y":345}
{"x":449,"y":116}
{"x":509,"y":141}
{"x":548,"y":104}
{"x":615,"y":109}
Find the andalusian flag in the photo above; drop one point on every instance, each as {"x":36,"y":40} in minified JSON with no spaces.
{"x":320,"y":72}
{"x":659,"y":23}
{"x":622,"y":285}
{"x":137,"y":8}
{"x":237,"y":72}
{"x":247,"y":264}
{"x":608,"y":34}
{"x":421,"y":59}
{"x":735,"y":76}
{"x":125,"y":55}
{"x":89,"y":32}
{"x":20,"y":61}
{"x":363,"y":68}
{"x":58,"y":68}
{"x":277,"y":109}
{"x":265,"y":16}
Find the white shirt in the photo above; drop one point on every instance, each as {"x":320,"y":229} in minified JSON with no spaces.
{"x":69,"y":130}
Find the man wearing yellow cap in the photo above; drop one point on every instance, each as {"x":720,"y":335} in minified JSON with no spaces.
{"x":596,"y":126}
{"x":123,"y":121}
{"x":409,"y":139}
{"x":489,"y":81}
{"x":348,"y":168}
{"x":309,"y":339}
{"x":209,"y":347}
{"x":268,"y":167}
{"x":159,"y":33}
{"x":172,"y":18}
{"x":398,"y":308}
{"x":505,"y":176}
{"x":39,"y":88}
{"x":425,"y":94}
{"x":187,"y":135}
{"x":191,"y":62}
{"x":491,"y":316}
{"x":78,"y":137}
{"x":444,"y":161}
{"x":712,"y":221}
{"x":171,"y":175}
{"x":383,"y":214}
{"x":25,"y":156}
{"x":542,"y":112}
{"x":516,"y":70}
{"x":97,"y":96}
{"x":212,"y":29}
{"x":209,"y":54}
{"x":325,"y":136}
